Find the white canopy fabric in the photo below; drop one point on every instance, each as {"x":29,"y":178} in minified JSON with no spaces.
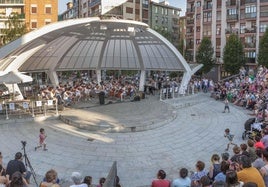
{"x":15,"y":77}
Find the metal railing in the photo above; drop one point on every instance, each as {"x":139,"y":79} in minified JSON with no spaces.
{"x":27,"y":108}
{"x":173,"y":92}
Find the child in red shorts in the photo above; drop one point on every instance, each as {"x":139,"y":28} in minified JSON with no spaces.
{"x":42,"y":137}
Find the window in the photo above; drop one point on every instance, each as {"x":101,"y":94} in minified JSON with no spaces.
{"x":129,"y":10}
{"x":156,"y":9}
{"x":218,"y":31}
{"x":166,"y":11}
{"x":198,"y":29}
{"x":47,"y":21}
{"x":34,"y":9}
{"x":137,"y":11}
{"x":198,"y":41}
{"x":263,"y":26}
{"x":48,"y":9}
{"x":218,"y":16}
{"x":231,"y":11}
{"x":197,"y":16}
{"x":250,"y":54}
{"x":209,"y":16}
{"x":218,"y":43}
{"x":85,"y":5}
{"x":251,"y":9}
{"x":198,"y":3}
{"x":33,"y":24}
{"x":145,"y":2}
{"x":242,"y":28}
{"x":156,"y":19}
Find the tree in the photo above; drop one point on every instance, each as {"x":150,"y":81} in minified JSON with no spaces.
{"x":233,"y":55}
{"x":205,"y":55}
{"x":263,"y":50}
{"x":15,"y":27}
{"x":181,"y":47}
{"x":164,"y":33}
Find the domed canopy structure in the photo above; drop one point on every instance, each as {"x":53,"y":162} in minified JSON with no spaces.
{"x":92,"y":44}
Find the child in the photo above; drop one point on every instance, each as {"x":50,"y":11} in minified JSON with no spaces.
{"x":230,"y":137}
{"x":226,"y":107}
{"x":42,"y":137}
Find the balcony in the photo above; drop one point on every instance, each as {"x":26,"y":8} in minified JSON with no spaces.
{"x":263,"y":14}
{"x":231,"y":31}
{"x":11,"y":1}
{"x":250,"y":60}
{"x":190,"y":10}
{"x":230,"y":3}
{"x":190,"y":21}
{"x":94,"y":3}
{"x":175,"y":27}
{"x":232,"y":17}
{"x":189,"y":34}
{"x":250,"y":45}
{"x":264,"y":1}
{"x":208,"y":6}
{"x":250,"y":30}
{"x":175,"y":19}
{"x":20,"y":16}
{"x":95,"y":13}
{"x":250,"y":1}
{"x":250,"y":15}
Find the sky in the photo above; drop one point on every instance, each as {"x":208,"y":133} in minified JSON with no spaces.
{"x":176,"y":3}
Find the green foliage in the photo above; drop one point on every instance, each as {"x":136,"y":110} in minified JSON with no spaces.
{"x":181,"y":47}
{"x":205,"y":55}
{"x":164,"y":33}
{"x":263,"y":50}
{"x":233,"y":55}
{"x":15,"y":27}
{"x":173,"y":74}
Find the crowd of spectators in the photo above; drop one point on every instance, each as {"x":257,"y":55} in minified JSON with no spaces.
{"x":247,"y":166}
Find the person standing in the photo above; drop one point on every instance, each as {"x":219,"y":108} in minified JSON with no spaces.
{"x":42,"y":137}
{"x":226,"y":105}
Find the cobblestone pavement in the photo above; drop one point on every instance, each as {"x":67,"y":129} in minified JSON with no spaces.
{"x":195,"y":132}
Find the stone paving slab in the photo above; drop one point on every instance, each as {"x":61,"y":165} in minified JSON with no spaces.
{"x":195,"y":134}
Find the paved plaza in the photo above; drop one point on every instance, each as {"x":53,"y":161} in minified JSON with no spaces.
{"x":178,"y":133}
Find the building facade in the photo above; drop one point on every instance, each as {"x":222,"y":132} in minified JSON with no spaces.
{"x":217,"y":19}
{"x":39,"y":13}
{"x":165,"y":19}
{"x":34,"y":13}
{"x":159,"y":16}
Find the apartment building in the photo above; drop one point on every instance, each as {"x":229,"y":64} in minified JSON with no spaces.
{"x":34,"y":13}
{"x":217,"y":19}
{"x":7,"y":7}
{"x":40,"y":13}
{"x":166,"y":18}
{"x":156,"y":15}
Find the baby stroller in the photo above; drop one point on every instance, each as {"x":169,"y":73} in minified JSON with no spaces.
{"x":252,"y":128}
